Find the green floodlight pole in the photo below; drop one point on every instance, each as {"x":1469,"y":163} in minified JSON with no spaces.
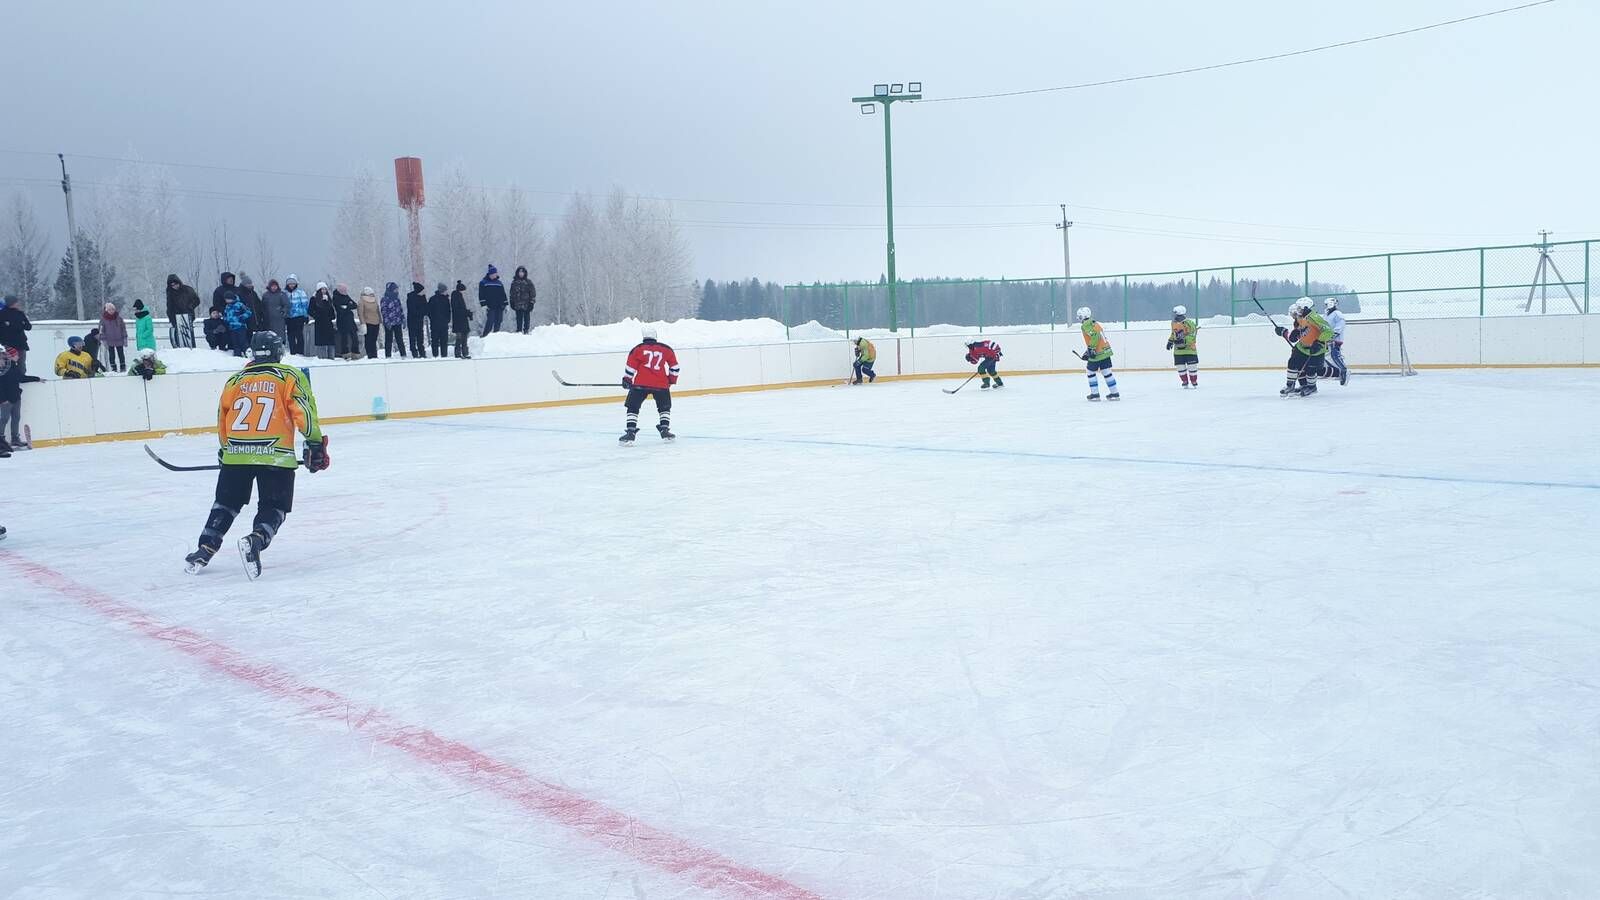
{"x":886,"y":95}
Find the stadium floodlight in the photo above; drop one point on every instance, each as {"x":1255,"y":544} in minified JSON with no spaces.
{"x":886,"y":95}
{"x":914,"y":87}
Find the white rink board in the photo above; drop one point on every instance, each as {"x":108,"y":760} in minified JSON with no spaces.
{"x":868,"y":642}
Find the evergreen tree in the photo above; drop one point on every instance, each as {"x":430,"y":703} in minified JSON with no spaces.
{"x":710,"y":301}
{"x":99,"y":280}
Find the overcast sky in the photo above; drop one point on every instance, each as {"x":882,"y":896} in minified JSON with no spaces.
{"x":1479,"y":133}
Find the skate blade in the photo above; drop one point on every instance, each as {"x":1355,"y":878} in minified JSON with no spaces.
{"x":194,"y":568}
{"x":252,"y":570}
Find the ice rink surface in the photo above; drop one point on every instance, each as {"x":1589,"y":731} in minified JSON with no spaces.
{"x":873,"y":642}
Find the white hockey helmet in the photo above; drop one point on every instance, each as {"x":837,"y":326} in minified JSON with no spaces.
{"x":1180,"y":311}
{"x":1301,"y":306}
{"x":1084,"y":314}
{"x":1330,"y":304}
{"x":147,"y":353}
{"x":649,"y":332}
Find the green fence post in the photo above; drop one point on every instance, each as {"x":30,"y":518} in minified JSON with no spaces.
{"x":847,"y":310}
{"x":1053,"y":300}
{"x":980,"y":307}
{"x":1197,"y":295}
{"x":783,"y":310}
{"x":1388,"y":274}
{"x":1233,"y":287}
{"x":1305,"y":280}
{"x":1588,"y":246}
{"x":1124,"y":302}
{"x":1480,"y":282}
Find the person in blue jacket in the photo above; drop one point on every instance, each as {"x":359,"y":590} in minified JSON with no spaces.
{"x":492,"y":297}
{"x":237,"y":314}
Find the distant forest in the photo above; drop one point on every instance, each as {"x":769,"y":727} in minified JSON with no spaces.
{"x":937,"y":301}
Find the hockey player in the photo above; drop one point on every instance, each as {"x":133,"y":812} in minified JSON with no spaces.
{"x":1308,"y":340}
{"x":75,"y":361}
{"x":1184,"y":346}
{"x":1335,"y":364}
{"x":261,"y":408}
{"x":1097,"y":356}
{"x":986,"y":354}
{"x":651,"y":371}
{"x":866,"y":356}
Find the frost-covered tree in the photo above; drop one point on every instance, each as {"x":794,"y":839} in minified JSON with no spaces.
{"x":368,"y":247}
{"x":139,"y":220}
{"x":22,"y":257}
{"x":99,"y":281}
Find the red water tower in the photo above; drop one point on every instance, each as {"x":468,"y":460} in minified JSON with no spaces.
{"x":408,"y":187}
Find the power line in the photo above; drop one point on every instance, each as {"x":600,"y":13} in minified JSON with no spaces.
{"x":1241,"y":62}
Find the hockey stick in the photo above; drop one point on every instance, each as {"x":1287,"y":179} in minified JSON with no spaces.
{"x":1260,"y":307}
{"x":566,"y":383}
{"x":172,"y":467}
{"x":961,"y":385}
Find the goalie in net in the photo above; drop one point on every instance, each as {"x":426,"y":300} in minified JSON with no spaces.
{"x":1366,"y":346}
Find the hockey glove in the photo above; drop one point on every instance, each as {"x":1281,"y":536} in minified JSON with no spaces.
{"x":1169,"y":344}
{"x":316,"y":455}
{"x":1315,"y":348}
{"x":1282,"y":331}
{"x":627,"y":384}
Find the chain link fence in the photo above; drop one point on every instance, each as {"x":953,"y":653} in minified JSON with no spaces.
{"x":1528,"y":279}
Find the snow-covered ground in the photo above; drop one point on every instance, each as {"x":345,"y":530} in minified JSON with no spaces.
{"x":874,"y":642}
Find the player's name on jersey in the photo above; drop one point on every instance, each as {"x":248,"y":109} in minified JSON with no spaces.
{"x":258,"y":387}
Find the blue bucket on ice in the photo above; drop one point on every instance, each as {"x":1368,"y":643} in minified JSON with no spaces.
{"x":380,"y":408}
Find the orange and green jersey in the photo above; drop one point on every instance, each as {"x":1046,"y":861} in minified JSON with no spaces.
{"x":1185,"y":335}
{"x":1309,"y":331}
{"x":866,"y":352}
{"x":262,"y":407}
{"x":1094,"y":339}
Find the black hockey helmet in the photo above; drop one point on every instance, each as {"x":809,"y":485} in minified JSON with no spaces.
{"x":266,"y":346}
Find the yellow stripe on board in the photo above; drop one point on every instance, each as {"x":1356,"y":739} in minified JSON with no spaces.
{"x":744,"y":389}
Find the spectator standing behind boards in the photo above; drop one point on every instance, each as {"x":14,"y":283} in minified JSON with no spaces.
{"x":237,"y":313}
{"x":393,"y":315}
{"x":216,"y":330}
{"x":144,"y":327}
{"x":275,"y":309}
{"x":323,"y":332}
{"x":247,"y":293}
{"x":417,"y":319}
{"x":371,"y":315}
{"x":146,"y":366}
{"x":14,"y":328}
{"x":522,"y":299}
{"x":91,"y":346}
{"x":344,"y":309}
{"x":218,"y":301}
{"x":299,"y":314}
{"x":460,"y":319}
{"x":492,"y":297}
{"x":114,"y":337}
{"x":438,"y":318}
{"x":75,"y":362}
{"x":11,"y":399}
{"x":182,"y":302}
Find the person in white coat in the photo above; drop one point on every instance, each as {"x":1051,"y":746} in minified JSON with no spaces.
{"x":1336,"y":368}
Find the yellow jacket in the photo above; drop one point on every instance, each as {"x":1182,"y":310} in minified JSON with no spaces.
{"x":866,"y":352}
{"x":74,"y":364}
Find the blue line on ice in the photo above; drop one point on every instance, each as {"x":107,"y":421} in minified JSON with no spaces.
{"x":1059,"y":457}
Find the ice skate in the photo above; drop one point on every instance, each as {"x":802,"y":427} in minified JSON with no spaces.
{"x":1113,"y":396}
{"x":1308,"y":389}
{"x":666,"y":433}
{"x":999,"y":384}
{"x":197,"y":560}
{"x":250,"y":547}
{"x":1094,"y":397}
{"x":627,"y":437}
{"x":1289,"y":390}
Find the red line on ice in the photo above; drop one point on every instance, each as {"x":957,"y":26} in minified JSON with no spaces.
{"x":600,"y":823}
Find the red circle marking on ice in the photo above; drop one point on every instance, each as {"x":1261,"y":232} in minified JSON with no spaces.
{"x":592,"y":819}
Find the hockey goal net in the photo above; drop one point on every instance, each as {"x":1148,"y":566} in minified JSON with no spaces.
{"x":1376,"y":347}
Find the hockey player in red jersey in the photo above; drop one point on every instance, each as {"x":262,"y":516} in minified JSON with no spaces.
{"x":651,"y":371}
{"x":986,"y":354}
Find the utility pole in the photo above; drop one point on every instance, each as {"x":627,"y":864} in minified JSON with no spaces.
{"x":1066,"y":254}
{"x":885,"y":95}
{"x":72,"y":235}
